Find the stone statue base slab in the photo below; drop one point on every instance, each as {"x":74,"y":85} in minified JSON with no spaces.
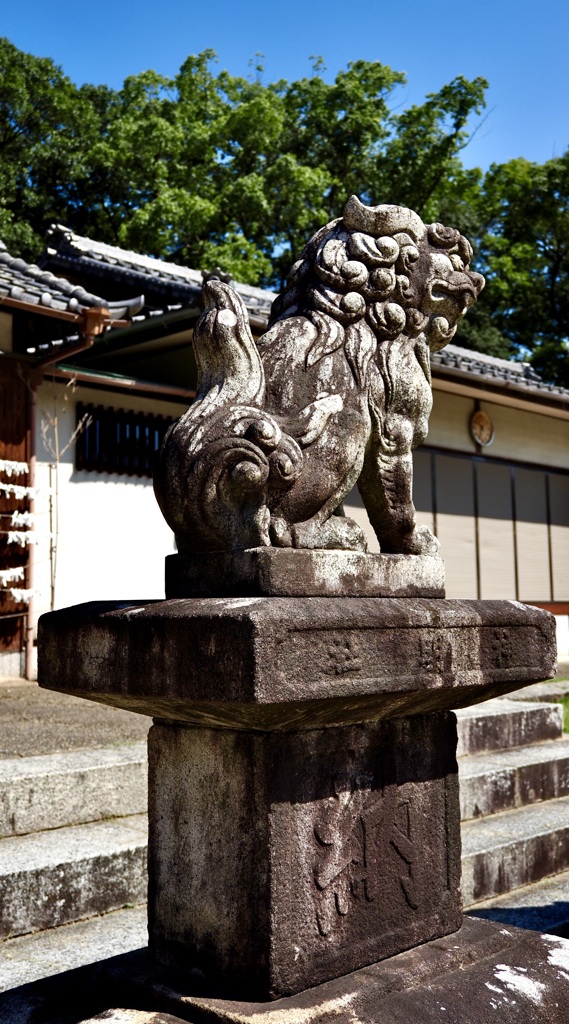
{"x":274,"y":663}
{"x":299,"y":572}
{"x":482,"y":973}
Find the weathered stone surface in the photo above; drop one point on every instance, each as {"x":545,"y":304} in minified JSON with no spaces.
{"x":118,"y":1015}
{"x":34,"y":722}
{"x":542,"y":906}
{"x":278,"y":663}
{"x":337,"y":391}
{"x":53,"y":790}
{"x":497,"y":724}
{"x":515,"y":848}
{"x":61,"y":875}
{"x":479,"y":975}
{"x":28,"y":958}
{"x":283,"y":853}
{"x":277,"y":861}
{"x":555,"y":689}
{"x":297,"y":572}
{"x":513,"y":777}
{"x":482,"y":974}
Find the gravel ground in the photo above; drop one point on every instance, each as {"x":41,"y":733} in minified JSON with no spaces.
{"x":35,"y":721}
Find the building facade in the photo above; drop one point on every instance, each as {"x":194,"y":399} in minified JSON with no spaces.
{"x":492,"y":481}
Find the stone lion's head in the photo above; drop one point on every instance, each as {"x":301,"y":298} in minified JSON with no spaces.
{"x":382,"y":264}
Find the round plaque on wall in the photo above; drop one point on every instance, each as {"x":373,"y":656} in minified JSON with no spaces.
{"x":482,"y":428}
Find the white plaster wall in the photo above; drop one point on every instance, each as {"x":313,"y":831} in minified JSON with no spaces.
{"x":112,"y":538}
{"x":518,"y":434}
{"x":449,"y":422}
{"x":527,"y":436}
{"x":562,"y":622}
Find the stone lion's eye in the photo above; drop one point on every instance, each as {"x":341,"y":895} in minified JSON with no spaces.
{"x":456,"y":261}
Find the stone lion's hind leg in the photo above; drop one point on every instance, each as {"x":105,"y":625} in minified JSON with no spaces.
{"x":386,"y":485}
{"x":337,"y":532}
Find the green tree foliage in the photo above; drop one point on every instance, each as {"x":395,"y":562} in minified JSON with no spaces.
{"x":523,"y":249}
{"x":44,"y":125}
{"x":209,"y":169}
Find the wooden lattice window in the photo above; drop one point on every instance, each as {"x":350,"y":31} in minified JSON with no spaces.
{"x":118,"y":440}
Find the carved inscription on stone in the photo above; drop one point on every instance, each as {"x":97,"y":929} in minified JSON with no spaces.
{"x":435,"y":654}
{"x":370,"y":818}
{"x":343,"y":657}
{"x":501,"y":648}
{"x":363,"y":837}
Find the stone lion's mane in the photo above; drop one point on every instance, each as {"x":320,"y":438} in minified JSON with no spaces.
{"x":361,"y":268}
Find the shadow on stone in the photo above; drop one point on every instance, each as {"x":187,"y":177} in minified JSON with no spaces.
{"x":482,"y":972}
{"x":538,"y":918}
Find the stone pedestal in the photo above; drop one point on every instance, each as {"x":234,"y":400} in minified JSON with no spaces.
{"x":279,"y":860}
{"x":299,"y":572}
{"x":304,"y":815}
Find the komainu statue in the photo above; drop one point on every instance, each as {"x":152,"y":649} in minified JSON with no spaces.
{"x":336,"y":393}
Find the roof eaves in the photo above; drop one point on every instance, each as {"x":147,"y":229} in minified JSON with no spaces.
{"x":68,"y":250}
{"x":544,"y":394}
{"x":28,"y":288}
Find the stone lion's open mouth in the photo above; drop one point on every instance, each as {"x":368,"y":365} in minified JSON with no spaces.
{"x":462,"y":294}
{"x":441,"y":289}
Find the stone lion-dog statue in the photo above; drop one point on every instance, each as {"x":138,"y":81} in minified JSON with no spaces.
{"x":337,"y":392}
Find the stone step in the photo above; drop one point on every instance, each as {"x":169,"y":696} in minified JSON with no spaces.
{"x":66,"y":874}
{"x":104,"y":867}
{"x":504,"y":779}
{"x":543,"y":906}
{"x":500,"y":724}
{"x":552,"y":690}
{"x":54,"y":790}
{"x":28,"y":958}
{"x":505,"y":851}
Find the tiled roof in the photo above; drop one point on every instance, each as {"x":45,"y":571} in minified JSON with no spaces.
{"x":490,"y":369}
{"x":27,"y":283}
{"x":180,"y":283}
{"x":149,"y":314}
{"x":181,"y":286}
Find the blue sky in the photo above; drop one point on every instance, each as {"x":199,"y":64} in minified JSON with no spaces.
{"x":521,"y":47}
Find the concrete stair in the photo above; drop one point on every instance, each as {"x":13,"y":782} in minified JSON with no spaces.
{"x":507,"y":779}
{"x":543,"y":906}
{"x":62,"y":875}
{"x":28,"y":958}
{"x":74,"y":836}
{"x":502,"y":724}
{"x":73,"y":844}
{"x":514,"y":783}
{"x":505,"y":851}
{"x":52,"y":790}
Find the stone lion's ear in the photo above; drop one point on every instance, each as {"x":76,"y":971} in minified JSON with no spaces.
{"x":354,"y":215}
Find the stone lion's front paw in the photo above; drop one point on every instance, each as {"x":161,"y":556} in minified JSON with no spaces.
{"x":280,"y":533}
{"x":339,"y":533}
{"x":422,"y":542}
